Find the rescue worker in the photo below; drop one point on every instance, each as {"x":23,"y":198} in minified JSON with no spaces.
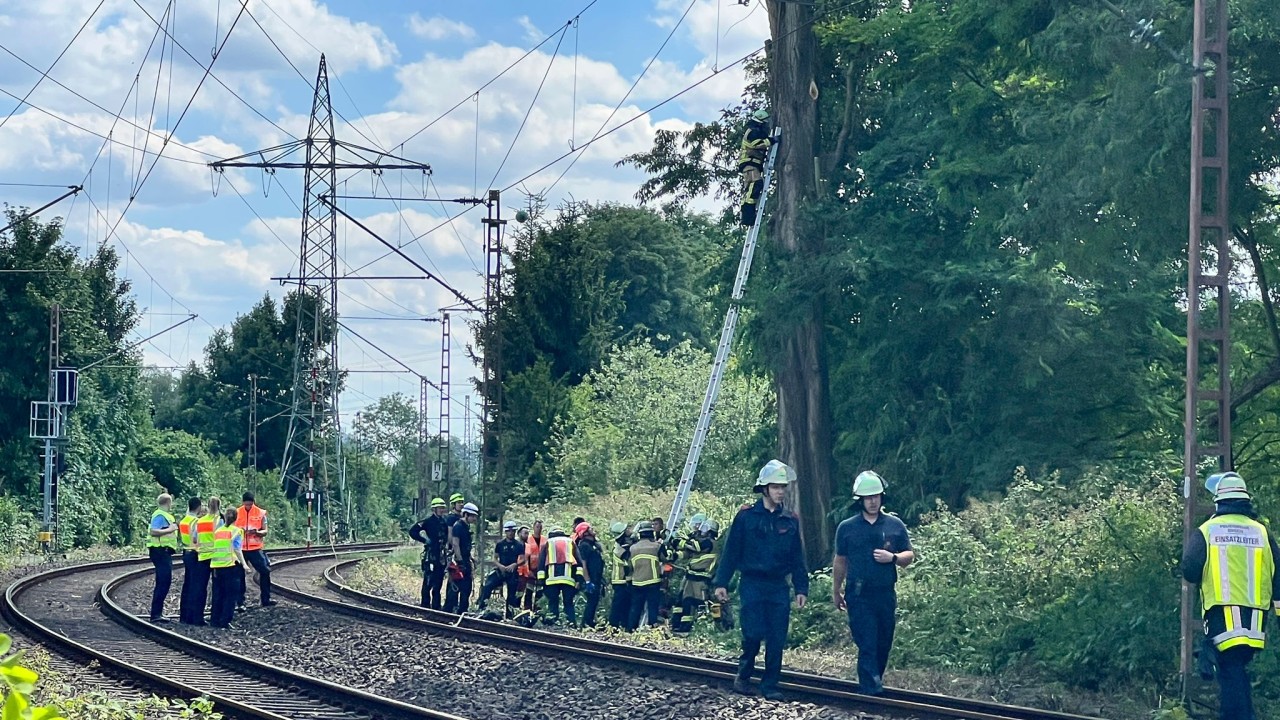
{"x":870,"y":547}
{"x":206,"y":526}
{"x":187,"y":541}
{"x":699,"y":554}
{"x":532,"y":558}
{"x":162,"y":543}
{"x":252,"y":520}
{"x":646,"y":576}
{"x":764,"y":544}
{"x":558,"y":571}
{"x":620,"y":577}
{"x":226,"y":560}
{"x":433,"y":532}
{"x":458,"y":599}
{"x":456,"y":502}
{"x":751,"y":159}
{"x":591,"y":553}
{"x":1233,"y":559}
{"x":507,"y":554}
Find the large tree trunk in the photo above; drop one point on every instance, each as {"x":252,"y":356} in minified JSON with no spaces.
{"x":804,"y":409}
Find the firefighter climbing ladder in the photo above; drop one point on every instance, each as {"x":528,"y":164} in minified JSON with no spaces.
{"x":722,"y":351}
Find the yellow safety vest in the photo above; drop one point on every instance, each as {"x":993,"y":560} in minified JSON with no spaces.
{"x":1239,"y":568}
{"x":162,"y":541}
{"x":224,"y":555}
{"x":186,"y":531}
{"x":205,"y":528}
{"x":621,"y":570}
{"x":645,"y":568}
{"x":562,"y":562}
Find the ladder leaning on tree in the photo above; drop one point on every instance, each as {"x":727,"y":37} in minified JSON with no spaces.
{"x":726,"y":344}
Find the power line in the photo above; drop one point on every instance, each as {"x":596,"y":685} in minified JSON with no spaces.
{"x":44,"y":74}
{"x":555,"y":53}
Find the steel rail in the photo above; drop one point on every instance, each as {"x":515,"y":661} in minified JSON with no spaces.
{"x":417,"y":618}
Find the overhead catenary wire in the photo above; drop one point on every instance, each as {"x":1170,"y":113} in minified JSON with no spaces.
{"x":44,"y":74}
{"x":532,"y":103}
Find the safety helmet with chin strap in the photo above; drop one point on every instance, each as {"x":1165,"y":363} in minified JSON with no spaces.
{"x":1227,"y":486}
{"x":775,"y":472}
{"x":867,"y":484}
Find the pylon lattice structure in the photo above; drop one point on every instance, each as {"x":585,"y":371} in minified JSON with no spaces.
{"x":313,"y":450}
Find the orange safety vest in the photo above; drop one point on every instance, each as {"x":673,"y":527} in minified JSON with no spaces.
{"x":562,"y":562}
{"x":533,"y":554}
{"x":254,"y":520}
{"x":186,"y":527}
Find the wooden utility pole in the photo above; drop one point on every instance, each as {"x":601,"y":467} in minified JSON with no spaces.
{"x":800,"y":370}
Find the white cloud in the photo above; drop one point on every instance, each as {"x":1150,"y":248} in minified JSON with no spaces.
{"x":438,"y":27}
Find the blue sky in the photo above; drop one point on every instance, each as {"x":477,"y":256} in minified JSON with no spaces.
{"x":395,"y":67}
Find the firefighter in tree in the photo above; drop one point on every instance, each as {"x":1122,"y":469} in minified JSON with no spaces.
{"x":755,"y":149}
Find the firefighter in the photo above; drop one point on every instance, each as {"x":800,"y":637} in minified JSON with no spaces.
{"x":699,"y":554}
{"x":252,"y":519}
{"x":620,"y":577}
{"x":558,"y":571}
{"x":190,"y":561}
{"x":507,"y":555}
{"x":433,"y":532}
{"x":870,"y":547}
{"x":226,"y":561}
{"x":764,"y":544}
{"x":1233,"y":559}
{"x":458,"y":598}
{"x":751,"y":159}
{"x":647,"y":555}
{"x":162,"y":543}
{"x":591,"y":553}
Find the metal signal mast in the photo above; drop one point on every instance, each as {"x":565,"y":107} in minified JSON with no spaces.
{"x":314,"y":443}
{"x":1207,"y":429}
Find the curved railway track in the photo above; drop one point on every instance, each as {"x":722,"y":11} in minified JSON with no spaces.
{"x":60,"y":608}
{"x":336,"y":596}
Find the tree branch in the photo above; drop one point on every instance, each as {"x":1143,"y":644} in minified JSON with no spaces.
{"x":1246,"y":239}
{"x":846,"y":123}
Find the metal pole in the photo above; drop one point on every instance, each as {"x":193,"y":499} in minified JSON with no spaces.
{"x":1208,"y":275}
{"x":445,"y":451}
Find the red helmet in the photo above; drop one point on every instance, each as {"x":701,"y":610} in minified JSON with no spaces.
{"x":582,"y":528}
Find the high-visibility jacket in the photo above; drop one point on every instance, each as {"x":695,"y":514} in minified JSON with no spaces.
{"x":253,"y":520}
{"x":646,"y":566}
{"x":559,"y":562}
{"x":162,"y":541}
{"x":533,"y":554}
{"x":186,"y":531}
{"x":205,"y":527}
{"x":620,"y":568}
{"x":701,"y":558}
{"x":224,"y":538}
{"x":1239,"y":569}
{"x":755,"y":146}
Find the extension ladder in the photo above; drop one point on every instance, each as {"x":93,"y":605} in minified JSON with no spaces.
{"x":722,"y":350}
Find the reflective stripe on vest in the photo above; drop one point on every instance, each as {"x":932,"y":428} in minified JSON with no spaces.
{"x":1239,"y":566}
{"x":205,"y":528}
{"x":621,"y":566}
{"x":162,"y":541}
{"x":1243,"y":627}
{"x":256,"y":520}
{"x":223,"y":555}
{"x":186,"y":526}
{"x":702,"y":567}
{"x":561,"y":561}
{"x":644,"y":563}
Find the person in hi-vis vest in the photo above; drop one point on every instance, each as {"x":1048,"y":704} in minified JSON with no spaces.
{"x":1233,"y":559}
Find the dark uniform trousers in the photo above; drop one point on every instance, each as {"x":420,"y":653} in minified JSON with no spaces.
{"x":765,"y":615}
{"x":432,"y":581}
{"x":645,"y":600}
{"x":458,"y":598}
{"x":262,"y":566}
{"x":555,"y":592}
{"x":1234,"y":690}
{"x":620,"y":607}
{"x":497,"y":579}
{"x":162,"y":559}
{"x":593,"y":606}
{"x":226,"y":590}
{"x":871,"y":621}
{"x":200,"y":591}
{"x":190,"y":573}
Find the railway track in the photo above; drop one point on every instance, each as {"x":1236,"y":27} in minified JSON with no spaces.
{"x":60,"y":608}
{"x":336,"y":596}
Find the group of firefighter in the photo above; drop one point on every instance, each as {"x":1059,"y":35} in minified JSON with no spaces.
{"x":540,"y":571}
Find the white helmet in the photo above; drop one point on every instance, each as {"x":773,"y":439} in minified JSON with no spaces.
{"x":868,"y":483}
{"x":1227,"y":486}
{"x":470,"y":508}
{"x":775,"y":472}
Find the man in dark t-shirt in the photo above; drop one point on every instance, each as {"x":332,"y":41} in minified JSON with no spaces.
{"x":458,"y":598}
{"x":506,"y":558}
{"x":870,"y":547}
